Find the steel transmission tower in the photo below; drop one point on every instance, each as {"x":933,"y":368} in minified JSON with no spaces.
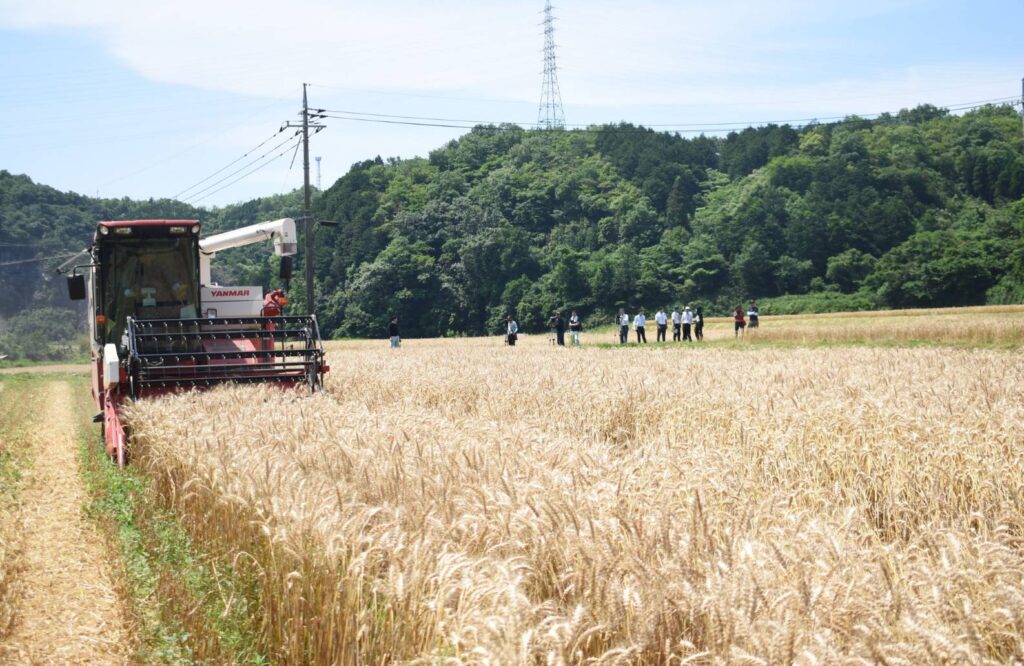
{"x":550,"y":113}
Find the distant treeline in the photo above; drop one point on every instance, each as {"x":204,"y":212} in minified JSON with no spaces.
{"x":920,"y":208}
{"x":917,"y":209}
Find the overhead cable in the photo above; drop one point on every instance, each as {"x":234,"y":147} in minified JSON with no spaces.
{"x":30,"y":261}
{"x":230,"y":164}
{"x":695,"y":128}
{"x":248,"y":173}
{"x":245,"y":166}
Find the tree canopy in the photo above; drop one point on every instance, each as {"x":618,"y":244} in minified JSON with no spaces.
{"x":920,"y":208}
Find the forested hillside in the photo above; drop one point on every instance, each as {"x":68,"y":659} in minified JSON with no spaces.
{"x":917,"y":209}
{"x":40,"y":227}
{"x":921,"y":208}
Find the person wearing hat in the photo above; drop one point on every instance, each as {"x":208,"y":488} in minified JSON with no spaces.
{"x":687,"y":322}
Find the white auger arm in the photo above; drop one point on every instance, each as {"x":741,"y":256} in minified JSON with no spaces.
{"x":282,"y":232}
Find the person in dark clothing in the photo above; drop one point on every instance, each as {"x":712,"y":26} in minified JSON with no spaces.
{"x":557,"y":322}
{"x":698,"y":324}
{"x":753,"y":313}
{"x":396,"y":342}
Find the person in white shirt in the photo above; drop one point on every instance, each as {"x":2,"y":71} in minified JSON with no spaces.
{"x":676,"y":321}
{"x":575,"y":327}
{"x":661,"y":319}
{"x":687,"y":321}
{"x":623,"y":327}
{"x":638,"y":324}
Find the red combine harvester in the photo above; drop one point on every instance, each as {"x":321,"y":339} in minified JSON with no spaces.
{"x":158,"y":324}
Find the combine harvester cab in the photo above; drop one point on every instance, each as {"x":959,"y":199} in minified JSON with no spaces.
{"x":158,"y":324}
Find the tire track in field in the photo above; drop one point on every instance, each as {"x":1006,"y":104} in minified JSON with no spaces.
{"x":69,"y":612}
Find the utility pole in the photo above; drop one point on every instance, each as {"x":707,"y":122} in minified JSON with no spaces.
{"x":307,"y":216}
{"x":305,"y":204}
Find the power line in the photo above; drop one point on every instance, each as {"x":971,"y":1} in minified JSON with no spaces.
{"x":402,"y":122}
{"x":193,"y":196}
{"x":30,"y":261}
{"x":245,"y":175}
{"x":390,"y":115}
{"x":677,"y":129}
{"x":230,"y":164}
{"x":701,"y":126}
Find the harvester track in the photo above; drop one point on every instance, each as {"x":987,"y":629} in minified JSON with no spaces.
{"x":70,"y":612}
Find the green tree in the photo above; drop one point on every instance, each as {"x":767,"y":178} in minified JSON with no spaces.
{"x":849,"y":268}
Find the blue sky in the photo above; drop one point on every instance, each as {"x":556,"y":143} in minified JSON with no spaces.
{"x":145,"y":99}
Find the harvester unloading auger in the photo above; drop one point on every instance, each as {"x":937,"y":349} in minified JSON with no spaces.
{"x":158,"y":324}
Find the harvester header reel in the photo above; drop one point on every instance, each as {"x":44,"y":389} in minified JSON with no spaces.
{"x":170,"y":354}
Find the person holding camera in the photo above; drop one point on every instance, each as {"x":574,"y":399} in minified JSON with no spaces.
{"x":557,"y":324}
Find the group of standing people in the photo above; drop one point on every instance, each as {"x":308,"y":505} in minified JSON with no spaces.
{"x":557,"y":325}
{"x":740,"y":324}
{"x":686,"y":325}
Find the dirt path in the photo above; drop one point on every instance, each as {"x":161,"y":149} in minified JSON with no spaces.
{"x":70,"y":613}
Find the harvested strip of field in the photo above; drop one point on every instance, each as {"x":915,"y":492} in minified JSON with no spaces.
{"x":67,"y":612}
{"x":491,"y":505}
{"x":10,"y":529}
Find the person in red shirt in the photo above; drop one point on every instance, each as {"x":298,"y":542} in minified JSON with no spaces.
{"x":740,"y":321}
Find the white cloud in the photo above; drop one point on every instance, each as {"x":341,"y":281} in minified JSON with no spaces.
{"x":642,"y":52}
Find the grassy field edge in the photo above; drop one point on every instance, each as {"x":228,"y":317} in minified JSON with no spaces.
{"x":187,"y":607}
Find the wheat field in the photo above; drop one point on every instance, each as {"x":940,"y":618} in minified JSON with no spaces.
{"x":458,"y":502}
